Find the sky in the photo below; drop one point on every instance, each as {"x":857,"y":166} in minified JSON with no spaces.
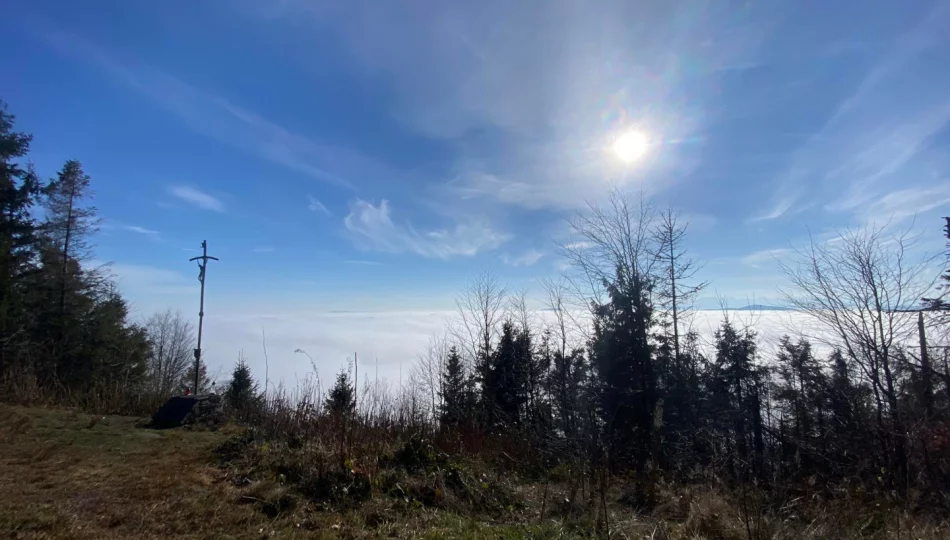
{"x":355,"y":164}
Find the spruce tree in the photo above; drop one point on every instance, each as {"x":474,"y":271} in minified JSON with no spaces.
{"x":800,"y":394}
{"x":111,"y":354}
{"x":940,"y":302}
{"x":18,"y":190}
{"x":738,"y":399}
{"x":242,"y":394}
{"x":69,"y":221}
{"x":342,"y":397}
{"x":622,"y":355}
{"x":565,"y":384}
{"x":455,"y":392}
{"x":507,"y":378}
{"x":849,"y":438}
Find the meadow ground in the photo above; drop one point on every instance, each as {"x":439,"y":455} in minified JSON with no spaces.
{"x":67,"y":474}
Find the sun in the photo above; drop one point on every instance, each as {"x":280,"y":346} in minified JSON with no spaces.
{"x":630,"y":146}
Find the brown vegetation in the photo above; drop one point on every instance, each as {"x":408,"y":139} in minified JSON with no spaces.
{"x":63,"y":475}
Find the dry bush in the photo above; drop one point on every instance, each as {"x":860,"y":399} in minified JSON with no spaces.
{"x":23,"y":388}
{"x":272,"y":498}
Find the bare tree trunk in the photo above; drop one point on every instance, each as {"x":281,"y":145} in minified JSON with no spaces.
{"x":925,"y":369}
{"x":669,"y":236}
{"x":65,"y":270}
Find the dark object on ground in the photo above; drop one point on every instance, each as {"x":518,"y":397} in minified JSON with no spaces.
{"x":207,"y":414}
{"x":178,"y":410}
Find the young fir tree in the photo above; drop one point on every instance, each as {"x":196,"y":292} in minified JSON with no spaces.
{"x":536,"y":360}
{"x":940,"y":301}
{"x":455,"y":394}
{"x":507,"y":378}
{"x":242,"y":394}
{"x":848,"y":407}
{"x":188,"y":379}
{"x":564,"y":383}
{"x":737,"y":386}
{"x":342,"y":397}
{"x":800,"y":395}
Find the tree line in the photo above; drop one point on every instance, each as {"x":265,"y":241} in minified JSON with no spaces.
{"x":610,"y":376}
{"x":65,"y":331}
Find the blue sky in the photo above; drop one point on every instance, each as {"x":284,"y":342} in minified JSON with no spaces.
{"x":371,"y":155}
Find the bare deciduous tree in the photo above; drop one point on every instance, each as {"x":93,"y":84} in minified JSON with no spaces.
{"x":615,"y":238}
{"x":173,"y":342}
{"x":860,"y":286}
{"x":426,"y":373}
{"x":480,"y":311}
{"x":674,"y":294}
{"x":556,"y":293}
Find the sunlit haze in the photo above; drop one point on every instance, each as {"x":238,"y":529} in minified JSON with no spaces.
{"x":630,"y":146}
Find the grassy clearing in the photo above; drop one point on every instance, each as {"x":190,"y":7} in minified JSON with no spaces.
{"x":65,"y":474}
{"x":71,"y":475}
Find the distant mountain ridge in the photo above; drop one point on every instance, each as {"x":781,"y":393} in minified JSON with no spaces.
{"x":762,"y":307}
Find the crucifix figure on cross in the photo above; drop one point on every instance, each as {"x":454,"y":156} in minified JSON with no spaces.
{"x":202,"y":265}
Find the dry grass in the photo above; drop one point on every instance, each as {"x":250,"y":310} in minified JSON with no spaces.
{"x":69,"y":475}
{"x":65,"y":474}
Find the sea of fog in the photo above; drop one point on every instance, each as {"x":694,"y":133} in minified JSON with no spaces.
{"x":388,"y":343}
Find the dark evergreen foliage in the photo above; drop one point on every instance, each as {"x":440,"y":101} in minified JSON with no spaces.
{"x":242,"y":395}
{"x":456,"y":392}
{"x":19,"y":189}
{"x":622,"y":355}
{"x":63,"y":325}
{"x":940,"y":302}
{"x":342,"y":397}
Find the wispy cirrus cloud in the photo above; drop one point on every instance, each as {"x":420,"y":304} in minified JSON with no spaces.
{"x":766,"y":257}
{"x":782,"y":204}
{"x":878,"y":138}
{"x":198,"y":198}
{"x":224,"y":120}
{"x":901,"y":204}
{"x":315,"y":205}
{"x":141,"y":230}
{"x":528,"y":258}
{"x":372,"y":227}
{"x":549,"y":102}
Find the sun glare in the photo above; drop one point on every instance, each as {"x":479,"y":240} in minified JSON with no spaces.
{"x":631,"y":146}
